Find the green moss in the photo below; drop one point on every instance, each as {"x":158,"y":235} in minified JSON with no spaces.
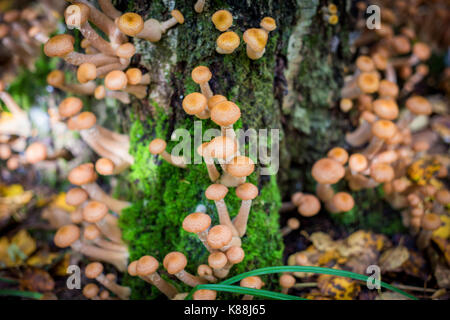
{"x":370,"y":213}
{"x":166,"y":194}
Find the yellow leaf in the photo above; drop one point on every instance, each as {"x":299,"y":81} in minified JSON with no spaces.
{"x":338,"y":288}
{"x":61,"y":267}
{"x":60,"y":202}
{"x":25,"y":243}
{"x":11,"y":191}
{"x":42,"y":259}
{"x":444,"y":231}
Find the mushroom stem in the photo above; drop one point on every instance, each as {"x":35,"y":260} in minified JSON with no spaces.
{"x":224,"y":217}
{"x":12,"y":106}
{"x":213,"y":173}
{"x":177,"y":161}
{"x":118,"y":259}
{"x":361,"y":135}
{"x":109,"y":9}
{"x":165,"y":25}
{"x":202,"y":236}
{"x":190,"y":279}
{"x":110,"y":228}
{"x":121,"y":291}
{"x":324,"y":192}
{"x":199,"y":6}
{"x":139,"y":91}
{"x":162,"y":285}
{"x":240,"y":221}
{"x":96,"y":193}
{"x":99,"y":59}
{"x":104,"y":70}
{"x":109,"y":245}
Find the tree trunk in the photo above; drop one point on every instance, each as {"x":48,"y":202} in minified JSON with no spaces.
{"x":291,"y":88}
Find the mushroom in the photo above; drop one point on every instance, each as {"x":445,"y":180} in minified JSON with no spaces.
{"x":135,"y":77}
{"x":222,"y":20}
{"x":237,"y":170}
{"x":217,"y":193}
{"x":268,"y":24}
{"x":363,"y":133}
{"x":220,"y":237}
{"x":291,"y":225}
{"x":326,"y":172}
{"x":117,"y":80}
{"x":199,"y":6}
{"x":146,"y":268}
{"x":198,"y":223}
{"x":196,"y":104}
{"x":308,"y":205}
{"x":204,"y":294}
{"x":76,"y":16}
{"x":92,"y":233}
{"x":227,"y":42}
{"x":204,"y":271}
{"x":101,"y":92}
{"x":94,"y":270}
{"x":62,"y":46}
{"x":105,"y":166}
{"x":84,"y":175}
{"x":382,"y":131}
{"x":341,"y":202}
{"x":217,"y":260}
{"x":246,"y":192}
{"x":68,"y":236}
{"x":91,"y":291}
{"x":430,"y":222}
{"x":158,"y":147}
{"x":201,"y":75}
{"x":256,"y":40}
{"x":133,"y":25}
{"x":56,"y":79}
{"x":97,"y":212}
{"x":234,"y":255}
{"x":367,"y":82}
{"x":287,"y":281}
{"x":109,"y":9}
{"x":339,"y":154}
{"x":175,"y":262}
{"x":253,"y":282}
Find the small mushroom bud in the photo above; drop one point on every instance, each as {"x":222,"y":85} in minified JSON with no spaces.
{"x":204,"y":271}
{"x":196,"y":104}
{"x":174,"y":263}
{"x":246,"y":192}
{"x":268,"y":24}
{"x":291,"y":225}
{"x":56,"y":79}
{"x":158,"y":146}
{"x":94,"y":270}
{"x":135,"y":77}
{"x":91,"y":291}
{"x":86,"y":72}
{"x":146,"y":268}
{"x":237,"y":170}
{"x":222,"y":20}
{"x":287,"y":281}
{"x":70,"y":107}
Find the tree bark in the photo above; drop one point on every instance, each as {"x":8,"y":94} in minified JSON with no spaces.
{"x":291,"y":88}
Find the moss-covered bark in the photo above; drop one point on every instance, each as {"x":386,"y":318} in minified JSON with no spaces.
{"x":290,"y":88}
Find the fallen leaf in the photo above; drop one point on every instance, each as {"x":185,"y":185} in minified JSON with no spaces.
{"x":390,"y":296}
{"x":36,"y":280}
{"x":444,"y":230}
{"x":392,"y":259}
{"x":338,"y":288}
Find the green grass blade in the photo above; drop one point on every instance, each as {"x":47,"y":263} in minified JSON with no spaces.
{"x":249,"y":291}
{"x":20,"y":293}
{"x":226,"y":285}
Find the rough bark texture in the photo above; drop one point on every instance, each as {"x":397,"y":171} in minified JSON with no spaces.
{"x":291,"y":88}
